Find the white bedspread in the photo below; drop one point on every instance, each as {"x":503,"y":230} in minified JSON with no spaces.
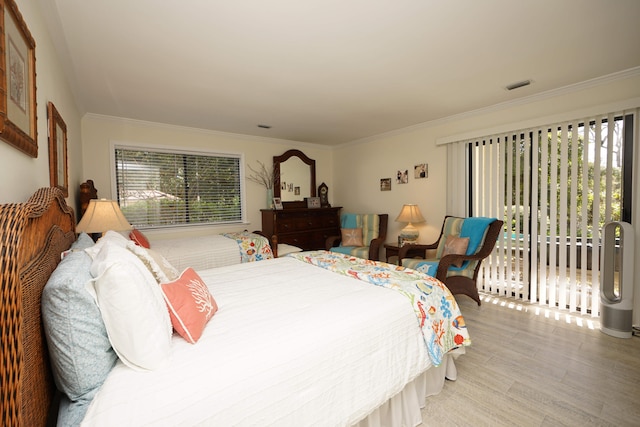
{"x":200,"y":253}
{"x":291,"y":345}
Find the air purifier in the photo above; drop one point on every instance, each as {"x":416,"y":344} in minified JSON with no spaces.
{"x":616,"y":279}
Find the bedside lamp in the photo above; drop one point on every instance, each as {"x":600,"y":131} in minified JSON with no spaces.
{"x":102,"y":215}
{"x":410,"y":214}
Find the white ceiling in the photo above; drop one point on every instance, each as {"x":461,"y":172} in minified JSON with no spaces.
{"x":330,"y":71}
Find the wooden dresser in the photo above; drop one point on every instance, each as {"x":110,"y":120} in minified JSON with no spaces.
{"x":302,"y":227}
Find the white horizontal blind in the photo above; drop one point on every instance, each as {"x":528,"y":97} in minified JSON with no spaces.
{"x":167,"y":188}
{"x":554,"y":186}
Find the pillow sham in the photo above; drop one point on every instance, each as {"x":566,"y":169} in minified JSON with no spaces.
{"x":284,"y":249}
{"x":351,"y":236}
{"x":79,"y":348}
{"x":456,"y":246}
{"x":139,"y":239}
{"x":158,"y":265}
{"x":132,"y":307}
{"x":190,"y":304}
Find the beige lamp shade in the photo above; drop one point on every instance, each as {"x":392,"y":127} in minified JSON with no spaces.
{"x":102,"y":215}
{"x":411,"y":215}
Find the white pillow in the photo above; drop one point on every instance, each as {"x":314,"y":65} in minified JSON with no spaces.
{"x":110,"y":237}
{"x":284,"y":249}
{"x":132,"y":307}
{"x":158,"y":265}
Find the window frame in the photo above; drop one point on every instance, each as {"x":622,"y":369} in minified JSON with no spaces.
{"x":114,"y":145}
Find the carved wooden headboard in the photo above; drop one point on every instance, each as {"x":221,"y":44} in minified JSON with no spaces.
{"x":32,"y":236}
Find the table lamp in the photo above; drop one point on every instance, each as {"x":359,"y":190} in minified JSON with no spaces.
{"x":102,"y":215}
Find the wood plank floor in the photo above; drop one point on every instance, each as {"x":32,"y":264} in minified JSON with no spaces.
{"x":531,"y":366}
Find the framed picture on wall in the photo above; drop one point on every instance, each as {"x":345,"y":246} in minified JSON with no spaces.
{"x":421,"y":171}
{"x":18,"y":125}
{"x":58,"y":168}
{"x":385,"y":184}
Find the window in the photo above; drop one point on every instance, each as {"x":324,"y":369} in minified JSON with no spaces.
{"x":555,"y":187}
{"x":163,"y":188}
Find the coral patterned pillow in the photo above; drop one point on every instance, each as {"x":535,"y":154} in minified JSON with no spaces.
{"x":190,"y":304}
{"x":139,"y":238}
{"x":352,"y":237}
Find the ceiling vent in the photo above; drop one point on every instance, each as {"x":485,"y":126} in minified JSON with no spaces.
{"x":517,"y":85}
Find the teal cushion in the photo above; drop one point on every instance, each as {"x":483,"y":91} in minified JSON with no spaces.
{"x":474,"y":228}
{"x":80,"y":351}
{"x":343,"y":249}
{"x":349,"y":221}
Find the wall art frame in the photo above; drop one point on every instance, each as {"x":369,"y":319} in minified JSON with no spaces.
{"x":58,"y":161}
{"x":18,"y":114}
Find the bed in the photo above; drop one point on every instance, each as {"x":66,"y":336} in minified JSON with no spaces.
{"x":309,"y":339}
{"x":214,"y":250}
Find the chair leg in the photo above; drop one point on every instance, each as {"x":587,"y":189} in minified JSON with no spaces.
{"x":463,"y":285}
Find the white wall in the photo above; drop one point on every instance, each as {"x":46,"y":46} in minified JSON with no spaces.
{"x":99,"y":132}
{"x":21,"y":175}
{"x":359,"y":166}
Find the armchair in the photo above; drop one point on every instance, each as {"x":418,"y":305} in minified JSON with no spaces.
{"x":362,"y":235}
{"x":460,"y":249}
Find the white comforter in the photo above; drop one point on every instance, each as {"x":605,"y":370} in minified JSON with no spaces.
{"x":291,"y":345}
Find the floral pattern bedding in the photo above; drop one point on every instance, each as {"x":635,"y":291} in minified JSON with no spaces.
{"x":442,"y":324}
{"x":253,"y":247}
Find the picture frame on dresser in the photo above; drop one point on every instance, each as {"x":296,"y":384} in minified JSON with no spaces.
{"x":277,"y":203}
{"x":58,"y":167}
{"x":313,"y":202}
{"x":18,"y":117}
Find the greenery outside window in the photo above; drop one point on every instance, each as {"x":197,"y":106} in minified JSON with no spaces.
{"x":165,"y":188}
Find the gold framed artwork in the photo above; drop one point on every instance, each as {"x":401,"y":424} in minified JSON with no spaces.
{"x":18,"y":64}
{"x":58,"y":168}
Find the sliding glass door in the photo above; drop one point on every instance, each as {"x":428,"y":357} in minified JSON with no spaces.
{"x":555,"y":187}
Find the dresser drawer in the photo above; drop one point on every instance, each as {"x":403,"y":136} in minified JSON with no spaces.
{"x":306,"y":228}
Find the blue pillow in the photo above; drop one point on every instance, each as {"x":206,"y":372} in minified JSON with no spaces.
{"x":428,"y":267}
{"x":474,"y":228}
{"x":79,"y":348}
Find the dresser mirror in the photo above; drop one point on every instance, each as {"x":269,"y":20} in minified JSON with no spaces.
{"x":295,"y":178}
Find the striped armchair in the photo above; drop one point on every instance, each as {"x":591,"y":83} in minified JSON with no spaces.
{"x":460,"y":249}
{"x":370,"y":230}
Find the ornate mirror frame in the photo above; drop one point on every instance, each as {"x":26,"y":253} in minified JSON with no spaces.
{"x":277,"y":160}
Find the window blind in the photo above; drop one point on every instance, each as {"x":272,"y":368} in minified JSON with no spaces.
{"x":555,"y":186}
{"x":158,"y":188}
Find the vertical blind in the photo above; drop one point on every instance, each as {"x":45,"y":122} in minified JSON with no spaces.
{"x":555,"y":186}
{"x":157,"y":188}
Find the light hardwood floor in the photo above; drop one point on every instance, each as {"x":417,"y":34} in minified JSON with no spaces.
{"x":531,"y":366}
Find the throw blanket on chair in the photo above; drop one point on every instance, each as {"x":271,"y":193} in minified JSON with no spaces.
{"x":431,"y":300}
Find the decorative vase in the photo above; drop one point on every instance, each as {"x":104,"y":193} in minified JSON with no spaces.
{"x":269,"y":198}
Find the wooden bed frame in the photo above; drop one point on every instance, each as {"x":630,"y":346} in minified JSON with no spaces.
{"x":32,"y":237}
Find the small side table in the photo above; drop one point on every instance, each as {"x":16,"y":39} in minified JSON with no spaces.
{"x":390,"y":252}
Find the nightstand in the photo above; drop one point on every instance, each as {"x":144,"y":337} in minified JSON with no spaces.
{"x":392,"y":251}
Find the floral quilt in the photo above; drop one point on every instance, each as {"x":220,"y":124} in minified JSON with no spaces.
{"x":253,"y":247}
{"x":443,"y":327}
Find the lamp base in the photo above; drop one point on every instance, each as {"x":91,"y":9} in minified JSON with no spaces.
{"x":409,"y":234}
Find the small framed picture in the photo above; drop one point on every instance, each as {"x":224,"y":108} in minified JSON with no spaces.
{"x":313,"y":202}
{"x":277,"y":203}
{"x":421,"y":171}
{"x":385,"y":184}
